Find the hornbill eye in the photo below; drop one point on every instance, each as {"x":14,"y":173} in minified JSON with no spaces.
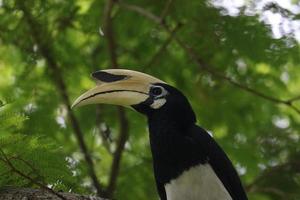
{"x":156,"y":91}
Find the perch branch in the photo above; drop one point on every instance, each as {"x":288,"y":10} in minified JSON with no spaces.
{"x":12,"y":193}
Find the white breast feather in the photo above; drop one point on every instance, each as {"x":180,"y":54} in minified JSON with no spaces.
{"x":197,"y":183}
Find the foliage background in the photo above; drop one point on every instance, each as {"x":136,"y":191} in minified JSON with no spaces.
{"x":241,"y":78}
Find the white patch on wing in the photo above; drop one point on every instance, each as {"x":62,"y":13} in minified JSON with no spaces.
{"x":197,"y":183}
{"x":158,"y":103}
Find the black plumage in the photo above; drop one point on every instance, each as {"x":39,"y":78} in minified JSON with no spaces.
{"x":178,"y":144}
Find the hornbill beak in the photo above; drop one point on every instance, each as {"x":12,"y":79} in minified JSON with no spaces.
{"x":118,"y":87}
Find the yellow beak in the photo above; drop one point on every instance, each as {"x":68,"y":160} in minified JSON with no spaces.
{"x":118,"y":87}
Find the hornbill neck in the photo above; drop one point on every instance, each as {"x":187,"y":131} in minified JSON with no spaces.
{"x":167,"y":129}
{"x":172,"y":117}
{"x":171,"y":120}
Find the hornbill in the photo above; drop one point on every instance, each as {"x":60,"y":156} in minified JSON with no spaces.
{"x":188,"y":164}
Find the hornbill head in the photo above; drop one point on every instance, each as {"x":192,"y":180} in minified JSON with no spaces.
{"x":137,"y":90}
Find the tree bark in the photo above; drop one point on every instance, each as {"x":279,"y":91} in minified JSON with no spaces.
{"x":11,"y":193}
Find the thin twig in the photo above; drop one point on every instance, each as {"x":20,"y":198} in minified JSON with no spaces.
{"x":292,"y":100}
{"x":24,"y":161}
{"x":104,"y":134}
{"x":46,"y":51}
{"x":203,"y":65}
{"x":269,"y":172}
{"x":7,"y":162}
{"x":273,"y":190}
{"x":142,"y":12}
{"x":33,"y":169}
{"x":166,"y":9}
{"x":162,"y":48}
{"x":124,"y":125}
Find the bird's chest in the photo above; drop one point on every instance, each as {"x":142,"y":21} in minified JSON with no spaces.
{"x":173,"y":153}
{"x":197,"y":183}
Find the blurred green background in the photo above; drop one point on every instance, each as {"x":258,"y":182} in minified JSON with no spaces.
{"x":236,"y":60}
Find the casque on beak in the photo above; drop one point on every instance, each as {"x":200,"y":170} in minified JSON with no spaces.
{"x":118,"y":87}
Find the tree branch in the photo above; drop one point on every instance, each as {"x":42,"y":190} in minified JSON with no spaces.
{"x":10,"y":193}
{"x":43,"y":41}
{"x":104,"y":134}
{"x":124,"y":125}
{"x":109,"y":33}
{"x":205,"y":66}
{"x":123,"y":136}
